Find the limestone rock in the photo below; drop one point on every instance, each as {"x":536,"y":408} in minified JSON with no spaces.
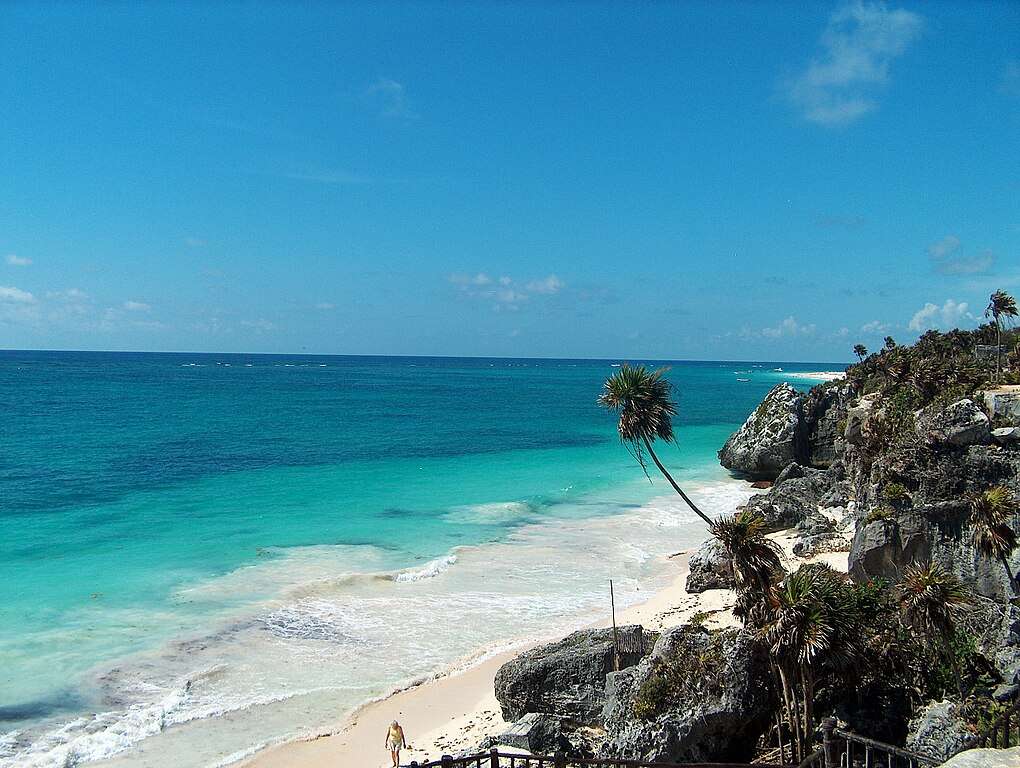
{"x":960,"y":424}
{"x":702,"y":697}
{"x":985,"y":758}
{"x":796,"y":495}
{"x":768,"y":440}
{"x":938,"y":731}
{"x":537,"y":733}
{"x":568,"y":677}
{"x":1003,"y":403}
{"x":710,"y":568}
{"x":1006,"y":435}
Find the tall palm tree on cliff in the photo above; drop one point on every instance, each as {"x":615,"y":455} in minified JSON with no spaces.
{"x":931,"y":596}
{"x":991,"y":515}
{"x":861,"y":351}
{"x":1001,"y":307}
{"x":643,"y":400}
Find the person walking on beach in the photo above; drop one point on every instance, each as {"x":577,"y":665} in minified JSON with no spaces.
{"x":395,"y":742}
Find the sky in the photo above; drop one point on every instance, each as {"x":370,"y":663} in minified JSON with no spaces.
{"x":773,"y":181}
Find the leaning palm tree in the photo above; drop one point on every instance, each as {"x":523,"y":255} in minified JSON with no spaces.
{"x":861,"y":351}
{"x":643,"y":400}
{"x":991,"y":515}
{"x":1001,"y":307}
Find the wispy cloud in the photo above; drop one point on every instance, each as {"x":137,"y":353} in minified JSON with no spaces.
{"x":788,"y":327}
{"x":71,"y":294}
{"x":947,"y":259}
{"x":391,"y":98}
{"x":949,"y":315}
{"x":325,"y":305}
{"x":14,"y":260}
{"x":504,"y":292}
{"x":259,"y":326}
{"x":11,"y":295}
{"x":876,"y":327}
{"x":857,"y":48}
{"x":136,"y":306}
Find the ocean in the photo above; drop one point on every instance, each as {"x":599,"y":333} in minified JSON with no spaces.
{"x":206,"y":553}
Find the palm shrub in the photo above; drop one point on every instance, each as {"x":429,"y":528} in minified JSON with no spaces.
{"x":756,"y":559}
{"x":991,"y":516}
{"x":643,"y":398}
{"x":931,"y":597}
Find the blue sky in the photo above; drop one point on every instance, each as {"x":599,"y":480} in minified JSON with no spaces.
{"x":758,"y":180}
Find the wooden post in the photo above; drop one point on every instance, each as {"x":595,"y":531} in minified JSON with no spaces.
{"x":616,"y":635}
{"x":493,"y":758}
{"x":447,"y":761}
{"x":829,"y":743}
{"x":561,"y":760}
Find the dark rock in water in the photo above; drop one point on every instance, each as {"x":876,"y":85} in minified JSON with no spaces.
{"x":761,"y":485}
{"x":960,"y":424}
{"x":767,"y":441}
{"x":939,"y":732}
{"x":710,"y":568}
{"x":538,"y":733}
{"x":698,"y":697}
{"x":568,"y":677}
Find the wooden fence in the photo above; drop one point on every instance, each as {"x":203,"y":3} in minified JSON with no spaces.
{"x":1004,"y":732}
{"x":845,"y":749}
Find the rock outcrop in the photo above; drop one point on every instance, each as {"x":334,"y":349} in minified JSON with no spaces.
{"x":710,"y":568}
{"x":1003,"y":404}
{"x":960,"y":424}
{"x":768,"y":440}
{"x":568,"y":677}
{"x":699,"y":696}
{"x":538,"y":733}
{"x":796,"y":494}
{"x":939,"y":732}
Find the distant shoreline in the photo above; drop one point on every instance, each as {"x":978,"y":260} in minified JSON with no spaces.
{"x":818,"y":375}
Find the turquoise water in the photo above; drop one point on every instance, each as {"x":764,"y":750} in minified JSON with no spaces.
{"x":230,"y":502}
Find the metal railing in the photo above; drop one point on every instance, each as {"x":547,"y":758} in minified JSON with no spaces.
{"x":496,"y":759}
{"x":846,"y":749}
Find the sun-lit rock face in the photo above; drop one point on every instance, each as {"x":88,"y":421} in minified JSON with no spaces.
{"x":768,"y":440}
{"x":1003,"y":405}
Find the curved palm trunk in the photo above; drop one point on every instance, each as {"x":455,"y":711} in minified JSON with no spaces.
{"x":1009,"y":571}
{"x":998,"y":350}
{"x":672,"y":482}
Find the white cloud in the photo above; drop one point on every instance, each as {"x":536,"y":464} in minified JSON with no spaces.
{"x":15,"y":260}
{"x":136,"y":306}
{"x":325,"y":305}
{"x":547,"y":285}
{"x":11,"y":295}
{"x":876,"y":327}
{"x":788,"y":327}
{"x":858,"y":46}
{"x":949,"y":315}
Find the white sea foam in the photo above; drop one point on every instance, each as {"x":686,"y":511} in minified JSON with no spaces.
{"x":434,"y":568}
{"x":326,"y":628}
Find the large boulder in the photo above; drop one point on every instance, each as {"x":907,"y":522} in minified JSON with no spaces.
{"x":796,"y":495}
{"x":698,"y":697}
{"x":824,"y":412}
{"x":710,"y":568}
{"x":939,"y":731}
{"x":769,"y":439}
{"x":985,"y":758}
{"x":959,"y":424}
{"x":1003,"y":403}
{"x":568,"y":677}
{"x":536,"y":732}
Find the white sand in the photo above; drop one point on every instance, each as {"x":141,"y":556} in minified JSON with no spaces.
{"x":816,"y":375}
{"x":454,"y":713}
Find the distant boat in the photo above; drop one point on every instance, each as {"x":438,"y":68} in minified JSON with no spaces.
{"x":780,"y":370}
{"x":743,"y":379}
{"x":616,"y":365}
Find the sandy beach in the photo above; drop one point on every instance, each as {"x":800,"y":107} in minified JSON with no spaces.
{"x":817,"y":375}
{"x":455,"y":712}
